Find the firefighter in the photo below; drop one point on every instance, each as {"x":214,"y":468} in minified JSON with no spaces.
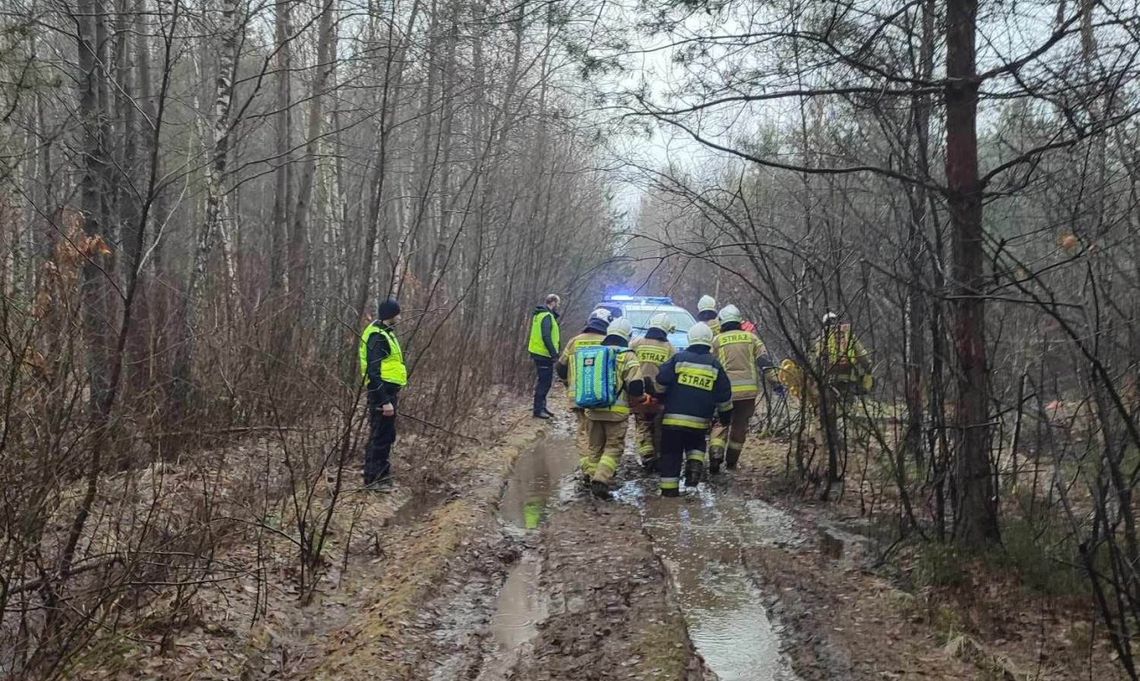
{"x":695,"y":385}
{"x":706,"y":312}
{"x":385,"y":374}
{"x":653,"y":350}
{"x":845,"y":366}
{"x":592,"y":334}
{"x":543,"y":346}
{"x":744,"y":358}
{"x":606,"y":426}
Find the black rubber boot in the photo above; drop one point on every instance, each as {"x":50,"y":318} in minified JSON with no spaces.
{"x":600,"y":490}
{"x":732,"y":459}
{"x":693,"y":471}
{"x":714,"y":465}
{"x":674,"y":492}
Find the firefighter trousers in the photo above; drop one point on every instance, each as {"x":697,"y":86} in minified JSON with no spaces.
{"x":581,"y":442}
{"x":726,"y":442}
{"x":678,"y":445}
{"x":606,"y":441}
{"x":649,"y":437}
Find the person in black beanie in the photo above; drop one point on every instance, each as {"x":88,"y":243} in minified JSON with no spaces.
{"x":383,"y":370}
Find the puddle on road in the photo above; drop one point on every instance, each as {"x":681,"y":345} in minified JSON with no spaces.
{"x":699,"y":539}
{"x":537,"y":476}
{"x":520,"y":606}
{"x":539,"y":479}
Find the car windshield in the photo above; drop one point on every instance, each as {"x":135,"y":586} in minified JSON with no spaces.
{"x":640,"y":317}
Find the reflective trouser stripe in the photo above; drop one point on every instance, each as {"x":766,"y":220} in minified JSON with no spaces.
{"x":685,"y":421}
{"x":604,"y":471}
{"x":670,"y":483}
{"x":716,"y":442}
{"x":695,"y":455}
{"x":732,"y":445}
{"x":587,"y":465}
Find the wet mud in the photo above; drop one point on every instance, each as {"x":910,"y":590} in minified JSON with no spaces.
{"x":545,"y":582}
{"x":700,"y":539}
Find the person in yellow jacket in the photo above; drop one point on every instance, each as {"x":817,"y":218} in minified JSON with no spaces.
{"x":706,"y":312}
{"x":592,"y":334}
{"x":384,"y":374}
{"x":544,"y":346}
{"x":745,"y":360}
{"x":652,"y":350}
{"x":845,"y":366}
{"x":606,"y":426}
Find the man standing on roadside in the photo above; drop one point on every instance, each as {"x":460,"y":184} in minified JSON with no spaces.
{"x":544,"y":348}
{"x":384,"y":372}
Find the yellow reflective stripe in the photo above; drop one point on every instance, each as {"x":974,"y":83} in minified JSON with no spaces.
{"x":652,"y":354}
{"x":698,"y":369}
{"x":618,"y":408}
{"x":734,"y":337}
{"x":670,"y":483}
{"x":735,"y":445}
{"x":607,"y":462}
{"x":684,"y":421}
{"x":695,"y":455}
{"x":716,"y":442}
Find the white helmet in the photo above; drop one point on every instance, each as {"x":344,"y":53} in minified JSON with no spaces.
{"x":700,"y":334}
{"x":620,"y":327}
{"x":602,"y":314}
{"x":662,"y":321}
{"x":730,"y":313}
{"x":706,"y":304}
{"x":830,"y":318}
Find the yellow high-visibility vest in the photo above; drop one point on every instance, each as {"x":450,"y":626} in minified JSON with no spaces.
{"x":537,"y":347}
{"x":392,"y":368}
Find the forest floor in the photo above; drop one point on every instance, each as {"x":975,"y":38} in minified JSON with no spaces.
{"x":494,"y":564}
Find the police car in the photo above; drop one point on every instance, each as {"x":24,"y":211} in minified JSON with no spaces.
{"x":640,"y":309}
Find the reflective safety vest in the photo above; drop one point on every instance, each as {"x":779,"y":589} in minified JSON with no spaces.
{"x":537,"y":347}
{"x":392,"y":368}
{"x":738,"y":351}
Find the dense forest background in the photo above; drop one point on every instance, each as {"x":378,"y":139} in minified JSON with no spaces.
{"x":201,"y":203}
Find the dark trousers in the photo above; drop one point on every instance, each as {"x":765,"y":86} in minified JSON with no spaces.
{"x":544,"y":376}
{"x":381,"y":437}
{"x":676,"y":443}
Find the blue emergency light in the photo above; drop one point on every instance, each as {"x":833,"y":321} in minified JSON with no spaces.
{"x":650,"y":300}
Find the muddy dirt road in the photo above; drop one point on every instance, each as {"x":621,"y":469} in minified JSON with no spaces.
{"x":494,"y":564}
{"x":552,"y":584}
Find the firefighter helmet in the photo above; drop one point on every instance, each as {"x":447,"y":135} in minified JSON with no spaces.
{"x":700,"y":334}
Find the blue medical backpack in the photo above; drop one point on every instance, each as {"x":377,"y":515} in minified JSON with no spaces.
{"x":596,"y":376}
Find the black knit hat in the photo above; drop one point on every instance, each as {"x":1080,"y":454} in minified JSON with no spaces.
{"x":387,"y":310}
